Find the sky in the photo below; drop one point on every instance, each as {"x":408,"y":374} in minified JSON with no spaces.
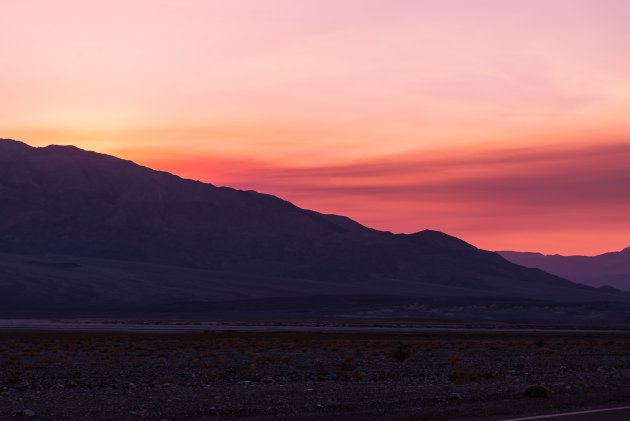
{"x":502,"y":122}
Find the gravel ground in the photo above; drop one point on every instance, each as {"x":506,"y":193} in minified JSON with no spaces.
{"x":238,"y":375}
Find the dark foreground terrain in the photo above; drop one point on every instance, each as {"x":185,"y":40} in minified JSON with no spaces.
{"x":284,"y":375}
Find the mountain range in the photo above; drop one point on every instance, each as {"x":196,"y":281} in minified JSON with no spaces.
{"x":82,"y":232}
{"x":612,"y":269}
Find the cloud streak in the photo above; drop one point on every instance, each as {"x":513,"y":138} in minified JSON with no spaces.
{"x":518,"y":191}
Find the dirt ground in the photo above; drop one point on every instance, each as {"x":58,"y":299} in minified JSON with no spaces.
{"x":319,"y":376}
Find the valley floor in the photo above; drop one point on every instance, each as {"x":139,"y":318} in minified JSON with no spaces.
{"x":308,"y":375}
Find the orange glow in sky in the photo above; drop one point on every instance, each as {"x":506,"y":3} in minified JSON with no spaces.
{"x":503,"y":122}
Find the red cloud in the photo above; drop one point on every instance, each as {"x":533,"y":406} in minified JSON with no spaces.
{"x":490,"y":198}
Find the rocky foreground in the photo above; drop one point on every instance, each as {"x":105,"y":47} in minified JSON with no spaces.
{"x":260,"y":376}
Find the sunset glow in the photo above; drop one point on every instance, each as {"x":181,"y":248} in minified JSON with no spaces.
{"x":503,"y":122}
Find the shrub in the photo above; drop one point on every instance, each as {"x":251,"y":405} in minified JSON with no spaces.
{"x":453,"y":359}
{"x":402,"y":353}
{"x":357,"y":374}
{"x":536,"y":391}
{"x":462,"y":375}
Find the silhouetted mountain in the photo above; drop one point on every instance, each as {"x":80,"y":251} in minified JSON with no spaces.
{"x":63,"y":206}
{"x":608,"y":269}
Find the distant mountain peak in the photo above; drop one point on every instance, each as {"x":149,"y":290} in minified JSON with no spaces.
{"x":438,"y":238}
{"x":10,"y":143}
{"x":608,"y":269}
{"x":70,"y":148}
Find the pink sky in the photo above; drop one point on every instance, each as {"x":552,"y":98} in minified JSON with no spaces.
{"x":504,"y":122}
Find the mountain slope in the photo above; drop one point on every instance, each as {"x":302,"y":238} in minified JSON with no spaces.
{"x":611,"y":269}
{"x":68,"y":205}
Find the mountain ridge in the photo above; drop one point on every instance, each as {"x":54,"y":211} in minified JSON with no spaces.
{"x":606,"y":269}
{"x":68,"y":204}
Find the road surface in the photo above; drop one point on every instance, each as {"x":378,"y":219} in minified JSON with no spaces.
{"x":192,"y":327}
{"x":608,"y":414}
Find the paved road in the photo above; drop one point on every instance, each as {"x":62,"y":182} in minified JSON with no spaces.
{"x":610,"y":414}
{"x":174,"y":327}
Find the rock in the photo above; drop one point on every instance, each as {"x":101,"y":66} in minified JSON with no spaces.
{"x":23,"y":386}
{"x":26,"y":413}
